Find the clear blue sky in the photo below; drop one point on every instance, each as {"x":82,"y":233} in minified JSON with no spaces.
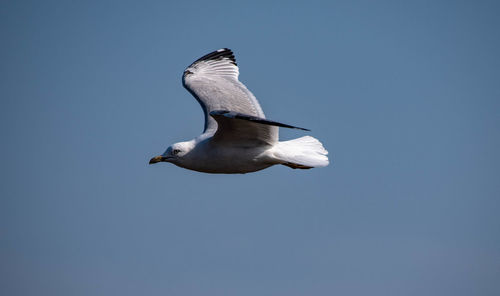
{"x":404,"y":94}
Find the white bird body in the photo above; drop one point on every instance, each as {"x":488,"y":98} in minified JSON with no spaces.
{"x":210,"y":157}
{"x":237,"y":138}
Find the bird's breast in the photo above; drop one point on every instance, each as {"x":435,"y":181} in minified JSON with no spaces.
{"x":212,"y":157}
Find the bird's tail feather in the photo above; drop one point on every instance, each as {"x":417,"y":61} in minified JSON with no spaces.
{"x":302,"y":153}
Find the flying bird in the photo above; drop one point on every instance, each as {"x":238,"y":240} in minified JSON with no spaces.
{"x":237,"y":137}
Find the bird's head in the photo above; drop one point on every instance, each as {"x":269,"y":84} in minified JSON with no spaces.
{"x":174,"y":154}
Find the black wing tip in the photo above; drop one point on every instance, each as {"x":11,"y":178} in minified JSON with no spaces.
{"x":219,"y":54}
{"x":236,"y":115}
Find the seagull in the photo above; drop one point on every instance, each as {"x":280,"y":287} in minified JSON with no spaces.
{"x":237,"y":137}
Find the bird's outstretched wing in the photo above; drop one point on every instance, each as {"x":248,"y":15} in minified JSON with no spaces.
{"x":213,"y":81}
{"x":246,"y":130}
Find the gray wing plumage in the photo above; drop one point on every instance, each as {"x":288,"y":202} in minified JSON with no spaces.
{"x":213,"y":81}
{"x":246,"y":130}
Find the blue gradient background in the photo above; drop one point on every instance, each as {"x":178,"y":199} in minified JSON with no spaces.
{"x":404,"y":94}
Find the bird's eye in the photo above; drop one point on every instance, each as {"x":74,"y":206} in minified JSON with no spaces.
{"x":176,"y":151}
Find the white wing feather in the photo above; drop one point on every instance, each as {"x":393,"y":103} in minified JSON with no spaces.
{"x":213,"y":81}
